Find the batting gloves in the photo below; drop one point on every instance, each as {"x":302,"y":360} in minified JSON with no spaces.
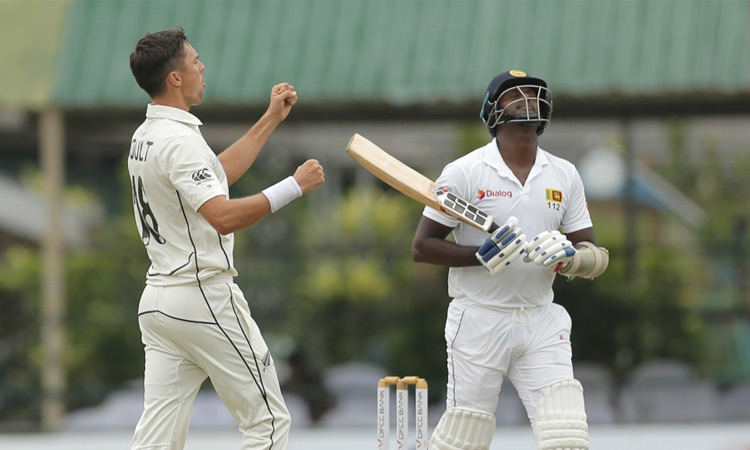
{"x":548,"y":248}
{"x":503,"y":247}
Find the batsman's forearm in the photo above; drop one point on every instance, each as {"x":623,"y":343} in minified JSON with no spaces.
{"x":444,"y":253}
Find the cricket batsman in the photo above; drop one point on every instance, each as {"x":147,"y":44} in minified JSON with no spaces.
{"x":502,"y":321}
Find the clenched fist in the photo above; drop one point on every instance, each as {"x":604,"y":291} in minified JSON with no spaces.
{"x":283,"y":97}
{"x":309,"y":175}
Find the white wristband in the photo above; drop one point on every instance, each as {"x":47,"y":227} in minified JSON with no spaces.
{"x":282,"y":193}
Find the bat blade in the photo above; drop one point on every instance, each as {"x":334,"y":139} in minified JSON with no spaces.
{"x":392,"y":171}
{"x":415,"y":185}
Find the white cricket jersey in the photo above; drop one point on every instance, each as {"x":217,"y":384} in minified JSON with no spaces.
{"x":173,"y":172}
{"x":552,"y":198}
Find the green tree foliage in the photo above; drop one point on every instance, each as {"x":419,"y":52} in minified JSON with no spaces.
{"x":102,"y":288}
{"x":717,"y":181}
{"x":361,"y":297}
{"x":19,"y":335}
{"x":333,"y":273}
{"x":622,"y":325}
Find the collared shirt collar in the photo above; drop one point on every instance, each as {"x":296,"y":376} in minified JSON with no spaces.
{"x":169,"y":112}
{"x":491,"y":157}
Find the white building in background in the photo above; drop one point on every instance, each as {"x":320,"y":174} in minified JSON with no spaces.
{"x":23,"y":215}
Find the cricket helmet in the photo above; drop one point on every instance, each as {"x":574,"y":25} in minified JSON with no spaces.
{"x":537,"y":110}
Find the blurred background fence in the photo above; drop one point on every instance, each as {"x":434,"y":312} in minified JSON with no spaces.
{"x":652,"y":101}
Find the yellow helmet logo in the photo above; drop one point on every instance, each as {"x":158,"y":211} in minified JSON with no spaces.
{"x":518,"y":73}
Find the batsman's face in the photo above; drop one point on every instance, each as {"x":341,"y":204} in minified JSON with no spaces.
{"x":193,"y":81}
{"x":520,"y":100}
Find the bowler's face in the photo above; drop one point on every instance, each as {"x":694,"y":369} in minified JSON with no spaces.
{"x":194,"y":83}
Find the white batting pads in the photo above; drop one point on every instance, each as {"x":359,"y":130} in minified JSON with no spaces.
{"x":503,"y":247}
{"x":463,"y":429}
{"x":561,"y":418}
{"x":549,"y":247}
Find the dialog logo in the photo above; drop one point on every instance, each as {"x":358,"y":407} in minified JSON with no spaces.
{"x":489,"y":193}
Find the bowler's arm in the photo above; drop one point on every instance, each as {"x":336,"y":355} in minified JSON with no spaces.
{"x":238,"y":157}
{"x":230,"y":215}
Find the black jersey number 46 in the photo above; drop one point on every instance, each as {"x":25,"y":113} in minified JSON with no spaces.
{"x":149,"y":226}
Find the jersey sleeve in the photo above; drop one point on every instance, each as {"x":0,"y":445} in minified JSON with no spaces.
{"x":454,"y":179}
{"x":577,"y":213}
{"x":189,"y":164}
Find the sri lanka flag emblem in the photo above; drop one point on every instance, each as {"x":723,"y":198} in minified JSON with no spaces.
{"x":553,"y":195}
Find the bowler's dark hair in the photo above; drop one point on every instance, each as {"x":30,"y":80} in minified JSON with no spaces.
{"x":155,"y":55}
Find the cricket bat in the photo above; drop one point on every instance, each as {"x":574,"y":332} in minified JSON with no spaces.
{"x":415,"y":185}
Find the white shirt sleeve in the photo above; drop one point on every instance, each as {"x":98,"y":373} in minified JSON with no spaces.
{"x":577,"y":214}
{"x":453,"y":178}
{"x":189,"y":164}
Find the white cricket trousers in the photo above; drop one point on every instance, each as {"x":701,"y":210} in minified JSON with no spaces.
{"x":530,"y":345}
{"x":198,"y":331}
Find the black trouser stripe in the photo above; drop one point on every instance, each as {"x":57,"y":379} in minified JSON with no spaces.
{"x":176,"y":318}
{"x":262,"y":386}
{"x":453,"y":366}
